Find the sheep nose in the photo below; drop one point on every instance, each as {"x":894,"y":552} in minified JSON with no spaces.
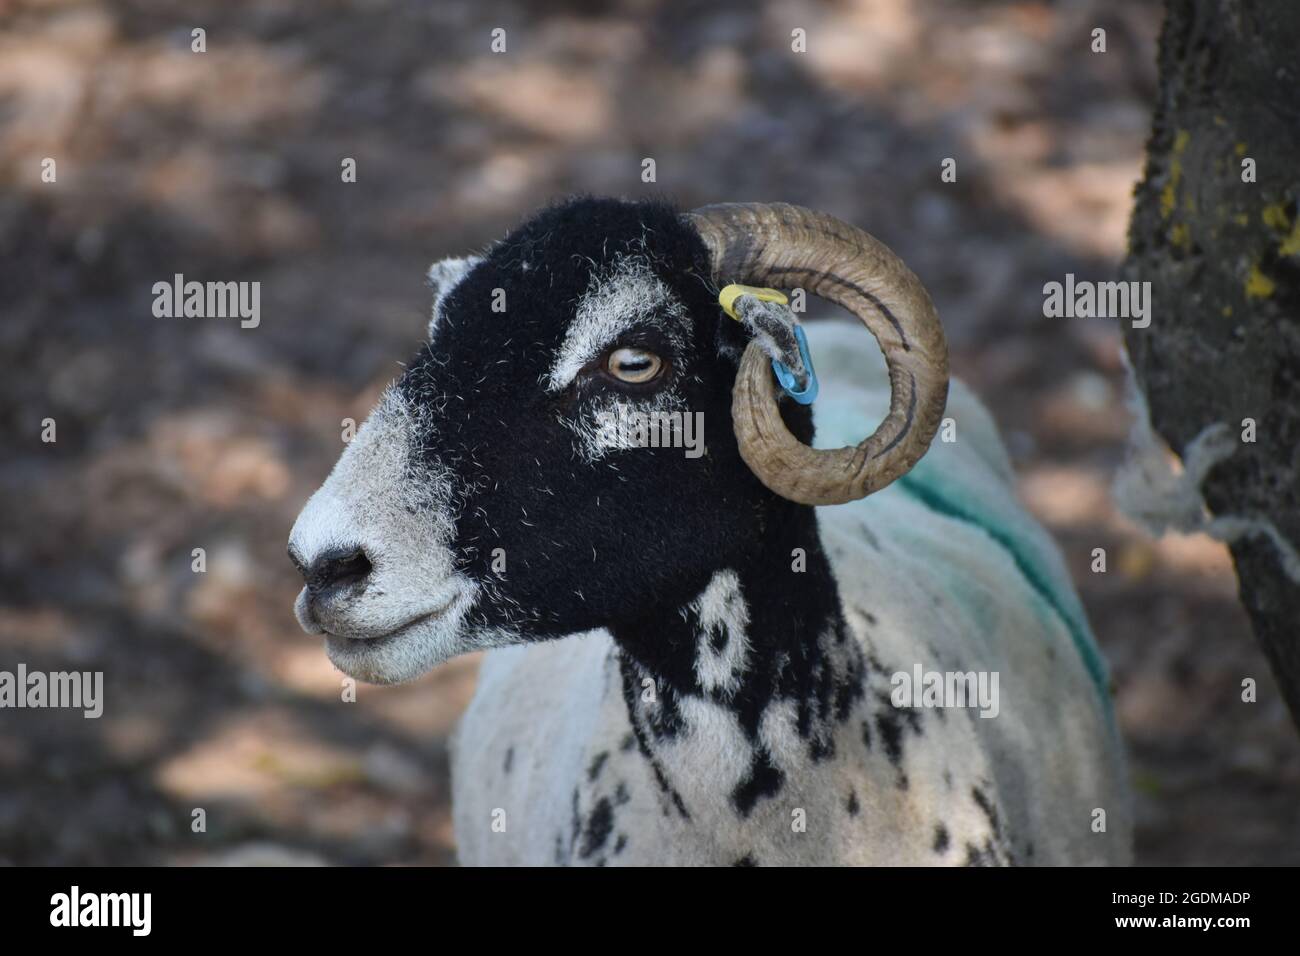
{"x":334,"y":570}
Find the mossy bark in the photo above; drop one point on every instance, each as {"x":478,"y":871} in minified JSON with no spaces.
{"x":1223,"y":259}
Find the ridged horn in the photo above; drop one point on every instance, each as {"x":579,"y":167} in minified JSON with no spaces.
{"x":775,"y":244}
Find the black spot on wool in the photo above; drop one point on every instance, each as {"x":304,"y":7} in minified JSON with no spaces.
{"x":763,"y":780}
{"x":598,"y":828}
{"x":891,"y":732}
{"x":986,"y":855}
{"x":640,"y":736}
{"x":941,"y":840}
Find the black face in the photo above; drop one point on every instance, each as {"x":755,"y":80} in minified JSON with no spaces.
{"x":606,"y":304}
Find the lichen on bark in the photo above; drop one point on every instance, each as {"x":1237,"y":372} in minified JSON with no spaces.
{"x":1223,"y":257}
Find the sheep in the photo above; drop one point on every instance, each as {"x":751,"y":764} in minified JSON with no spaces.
{"x":705,"y":660}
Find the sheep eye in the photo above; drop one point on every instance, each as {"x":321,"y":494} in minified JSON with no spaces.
{"x":634,"y":366}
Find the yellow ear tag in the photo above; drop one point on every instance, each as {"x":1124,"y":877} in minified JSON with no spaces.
{"x":728,"y":296}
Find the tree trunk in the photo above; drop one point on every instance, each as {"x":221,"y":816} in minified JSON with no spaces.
{"x":1223,"y":259}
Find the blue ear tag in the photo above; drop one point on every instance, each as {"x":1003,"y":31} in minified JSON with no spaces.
{"x":787,"y":379}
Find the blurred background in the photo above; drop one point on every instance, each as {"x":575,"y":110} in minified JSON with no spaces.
{"x":175,"y":434}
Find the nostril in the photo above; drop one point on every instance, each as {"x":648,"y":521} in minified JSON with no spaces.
{"x":337,"y":569}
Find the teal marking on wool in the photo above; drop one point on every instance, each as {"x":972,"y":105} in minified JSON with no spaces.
{"x":925,"y":485}
{"x":971,"y":483}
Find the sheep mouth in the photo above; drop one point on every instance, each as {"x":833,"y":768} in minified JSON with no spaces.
{"x":383,"y":654}
{"x":396,"y":633}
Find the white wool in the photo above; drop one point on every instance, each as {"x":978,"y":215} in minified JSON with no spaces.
{"x":722,"y":611}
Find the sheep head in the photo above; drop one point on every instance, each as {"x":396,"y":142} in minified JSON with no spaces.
{"x":488,"y":501}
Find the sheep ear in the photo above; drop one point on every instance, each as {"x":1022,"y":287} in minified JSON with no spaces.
{"x":772,"y":325}
{"x":444,"y":275}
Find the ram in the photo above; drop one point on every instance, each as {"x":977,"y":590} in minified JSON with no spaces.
{"x":694,"y":660}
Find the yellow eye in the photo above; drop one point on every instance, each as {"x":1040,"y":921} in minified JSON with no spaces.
{"x":634,"y":366}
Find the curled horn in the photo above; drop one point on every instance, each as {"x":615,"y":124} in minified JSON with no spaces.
{"x":775,"y":244}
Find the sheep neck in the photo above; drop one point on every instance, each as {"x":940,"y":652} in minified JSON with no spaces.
{"x":767,"y":627}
